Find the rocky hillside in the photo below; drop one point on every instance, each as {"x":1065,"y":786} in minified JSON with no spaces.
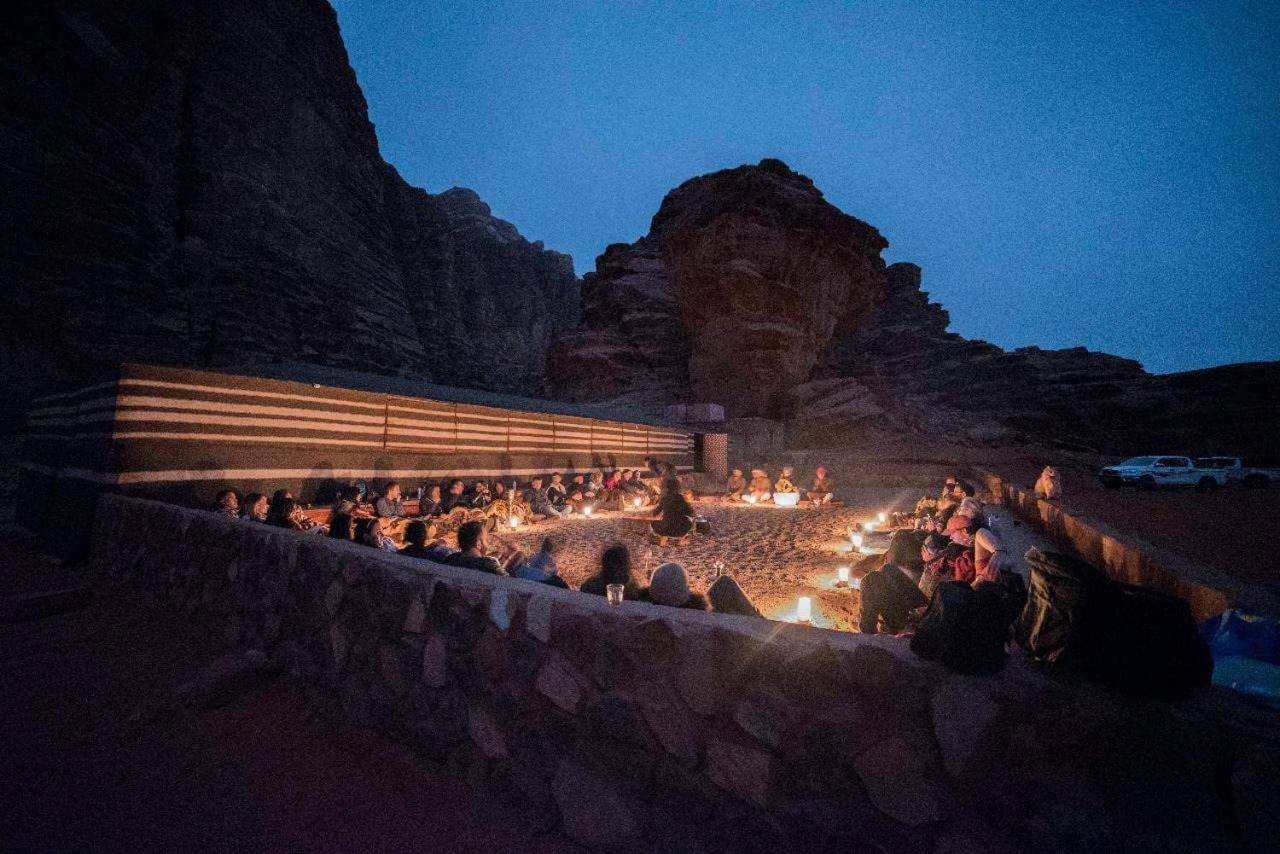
{"x":752,"y":291}
{"x":199,"y":183}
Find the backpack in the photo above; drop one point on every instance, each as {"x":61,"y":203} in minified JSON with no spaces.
{"x":964,"y":628}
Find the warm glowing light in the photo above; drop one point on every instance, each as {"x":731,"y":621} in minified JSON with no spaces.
{"x":637,"y":502}
{"x":588,"y":510}
{"x":868,"y":526}
{"x":842,"y":573}
{"x":804,"y":609}
{"x":514,"y":521}
{"x":865,"y":550}
{"x":857,"y":541}
{"x":883,"y":518}
{"x":750,"y":499}
{"x":786,"y":499}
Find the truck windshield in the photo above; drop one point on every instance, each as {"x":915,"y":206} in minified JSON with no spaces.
{"x":1139,"y":461}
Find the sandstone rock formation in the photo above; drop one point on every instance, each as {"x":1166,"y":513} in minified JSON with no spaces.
{"x":199,"y":184}
{"x":732,"y":296}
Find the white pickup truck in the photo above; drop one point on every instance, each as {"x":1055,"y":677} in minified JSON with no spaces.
{"x":1204,"y":473}
{"x":1233,"y":470}
{"x":1161,"y":471}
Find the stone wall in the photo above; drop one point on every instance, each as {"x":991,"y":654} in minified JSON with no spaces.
{"x":647,"y":728}
{"x":1128,"y":559}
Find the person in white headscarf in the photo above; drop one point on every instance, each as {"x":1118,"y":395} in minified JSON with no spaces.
{"x":669,"y":585}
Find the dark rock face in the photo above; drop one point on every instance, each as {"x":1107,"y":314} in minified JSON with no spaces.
{"x":199,"y":184}
{"x":733,"y":294}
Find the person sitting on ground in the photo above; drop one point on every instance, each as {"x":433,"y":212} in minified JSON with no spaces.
{"x":282,"y":511}
{"x":473,"y":550}
{"x":784,"y":484}
{"x":676,"y":517}
{"x":556,"y":491}
{"x":669,"y":585}
{"x":630,"y":484}
{"x":416,"y":534}
{"x":539,"y":501}
{"x":735,"y":486}
{"x":615,"y":568}
{"x":542,"y":566}
{"x":453,"y":497}
{"x":498,"y":492}
{"x":576,"y":495}
{"x":760,"y":488}
{"x":595,"y":485}
{"x":301,"y":521}
{"x":227,"y":503}
{"x":904,"y":552}
{"x":349,"y":502}
{"x":255,"y":507}
{"x":391,"y":504}
{"x":989,"y":557}
{"x":727,"y":597}
{"x":342,"y":526}
{"x":820,"y":491}
{"x":941,"y":558}
{"x":429,"y":507}
{"x":479,"y":497}
{"x":889,"y":596}
{"x":613,"y":479}
{"x":368,"y":532}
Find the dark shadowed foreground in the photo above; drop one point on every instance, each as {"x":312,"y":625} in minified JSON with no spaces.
{"x":99,"y":755}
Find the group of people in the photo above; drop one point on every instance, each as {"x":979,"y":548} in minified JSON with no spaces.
{"x":355,"y":520}
{"x":761,"y":490}
{"x":949,"y":541}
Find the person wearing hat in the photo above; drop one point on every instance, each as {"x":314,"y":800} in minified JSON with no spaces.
{"x":669,"y":585}
{"x":820,"y":491}
{"x":760,"y":488}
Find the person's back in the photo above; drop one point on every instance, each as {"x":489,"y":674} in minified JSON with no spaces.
{"x":728,"y":597}
{"x":615,"y":568}
{"x":471,"y":550}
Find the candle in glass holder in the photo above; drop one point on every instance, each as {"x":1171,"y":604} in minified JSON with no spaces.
{"x":750,"y":499}
{"x":857,"y":541}
{"x":804,"y":609}
{"x":842,"y":573}
{"x":883,"y":518}
{"x":513,"y":521}
{"x":588,"y":510}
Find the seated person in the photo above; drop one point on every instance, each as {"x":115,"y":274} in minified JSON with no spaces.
{"x":735,"y":486}
{"x":615,"y":568}
{"x":430,"y":504}
{"x":349,"y":502}
{"x":368,"y":532}
{"x":391,"y":504}
{"x":416,"y":534}
{"x":473,"y":550}
{"x":889,"y":595}
{"x":615,"y":477}
{"x":283,"y":511}
{"x":453,"y":497}
{"x":820,"y":491}
{"x":631,"y":484}
{"x":760,"y":488}
{"x":542,"y":566}
{"x":255,"y":507}
{"x":479,"y":496}
{"x":669,"y":585}
{"x":540,"y":501}
{"x":227,"y":503}
{"x":727,"y":597}
{"x":784,"y":484}
{"x":943,"y":560}
{"x":676,"y":515}
{"x":342,"y":527}
{"x":595,"y":485}
{"x":989,"y":557}
{"x":498,"y":492}
{"x":557,"y":492}
{"x":904,"y":552}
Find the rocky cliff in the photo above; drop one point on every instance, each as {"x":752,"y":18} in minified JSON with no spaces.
{"x":199,"y":183}
{"x":752,"y":291}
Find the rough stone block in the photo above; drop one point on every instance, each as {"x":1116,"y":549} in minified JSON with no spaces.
{"x":965,"y":717}
{"x":740,"y":769}
{"x":486,"y":733}
{"x":435,"y":673}
{"x":538,"y":617}
{"x":596,"y":811}
{"x":558,"y":682}
{"x":670,"y":721}
{"x":898,"y":783}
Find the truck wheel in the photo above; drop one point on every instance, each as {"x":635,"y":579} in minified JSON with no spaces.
{"x":1146,"y":483}
{"x":1256,"y":481}
{"x":1206,"y":484}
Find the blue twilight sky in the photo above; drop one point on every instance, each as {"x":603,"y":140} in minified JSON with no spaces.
{"x":1098,"y":174}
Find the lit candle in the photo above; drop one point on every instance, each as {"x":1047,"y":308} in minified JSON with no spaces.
{"x":750,"y":499}
{"x":804,"y":609}
{"x":588,"y":510}
{"x":514,"y":521}
{"x":842,"y":573}
{"x":868,"y":526}
{"x":857,"y":541}
{"x":636,"y":502}
{"x":883,"y":518}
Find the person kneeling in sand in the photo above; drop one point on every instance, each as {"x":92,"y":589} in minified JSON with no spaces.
{"x":760,"y":489}
{"x":820,"y":492}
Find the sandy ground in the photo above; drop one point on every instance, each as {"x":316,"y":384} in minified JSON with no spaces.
{"x":99,"y":756}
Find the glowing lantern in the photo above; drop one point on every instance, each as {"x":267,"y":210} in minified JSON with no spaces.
{"x":842,"y":573}
{"x":750,"y":499}
{"x":856,"y":539}
{"x":588,"y":510}
{"x":804,"y":609}
{"x":637,"y":502}
{"x":514,"y":521}
{"x":883,"y":518}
